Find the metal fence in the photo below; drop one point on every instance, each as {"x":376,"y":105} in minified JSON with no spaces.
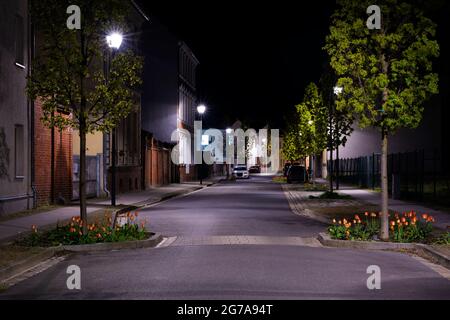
{"x":412,"y":175}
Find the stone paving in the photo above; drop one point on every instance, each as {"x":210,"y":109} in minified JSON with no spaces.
{"x":246,"y":240}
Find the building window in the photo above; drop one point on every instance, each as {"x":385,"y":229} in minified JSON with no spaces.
{"x":19,"y":39}
{"x":19,"y":152}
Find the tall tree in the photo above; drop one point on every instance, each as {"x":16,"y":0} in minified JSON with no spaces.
{"x":68,"y":71}
{"x":291,"y":143}
{"x":311,"y":123}
{"x":386,"y":73}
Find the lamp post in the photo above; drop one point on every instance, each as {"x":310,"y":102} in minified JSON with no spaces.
{"x":312,"y":161}
{"x":201,"y":109}
{"x":337,"y":91}
{"x":114,"y":42}
{"x":229,"y":131}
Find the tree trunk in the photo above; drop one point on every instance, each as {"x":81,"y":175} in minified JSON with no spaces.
{"x":82,"y":186}
{"x":331,"y":170}
{"x":337,"y":167}
{"x":384,"y":215}
{"x":324,"y":164}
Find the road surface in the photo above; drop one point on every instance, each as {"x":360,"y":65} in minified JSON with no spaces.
{"x":235,"y":241}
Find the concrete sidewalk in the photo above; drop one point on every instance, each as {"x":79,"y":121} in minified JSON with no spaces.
{"x":10,"y":229}
{"x":371,"y":197}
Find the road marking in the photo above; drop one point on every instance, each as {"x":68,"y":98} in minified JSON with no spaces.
{"x":166,"y":242}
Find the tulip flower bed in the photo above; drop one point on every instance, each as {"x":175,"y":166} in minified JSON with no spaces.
{"x":406,"y":227}
{"x":71,"y":233}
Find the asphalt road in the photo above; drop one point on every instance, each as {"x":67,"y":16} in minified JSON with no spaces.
{"x":235,"y":241}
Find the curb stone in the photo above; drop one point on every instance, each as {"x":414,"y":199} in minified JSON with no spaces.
{"x":30,"y":262}
{"x":326,"y":240}
{"x":429,"y":252}
{"x":423,"y":250}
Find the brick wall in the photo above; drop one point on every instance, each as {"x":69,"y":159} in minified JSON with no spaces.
{"x":62,"y":188}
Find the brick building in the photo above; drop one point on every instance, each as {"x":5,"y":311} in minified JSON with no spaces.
{"x":53,"y":162}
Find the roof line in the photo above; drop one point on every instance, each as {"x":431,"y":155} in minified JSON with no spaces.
{"x":140,"y":10}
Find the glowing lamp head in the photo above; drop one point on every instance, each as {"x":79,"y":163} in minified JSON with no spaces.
{"x":338,"y":90}
{"x":201,"y":109}
{"x":114,"y":40}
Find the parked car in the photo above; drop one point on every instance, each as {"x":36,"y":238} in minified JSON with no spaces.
{"x":286,"y":168}
{"x":241,"y":172}
{"x":255,"y":169}
{"x":297,"y":173}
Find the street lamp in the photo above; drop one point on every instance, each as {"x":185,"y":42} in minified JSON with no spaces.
{"x":230,"y":140}
{"x":114,"y":41}
{"x":201,"y":109}
{"x":337,"y":91}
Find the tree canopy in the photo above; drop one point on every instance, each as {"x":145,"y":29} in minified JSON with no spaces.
{"x":387,"y":73}
{"x":68,"y":70}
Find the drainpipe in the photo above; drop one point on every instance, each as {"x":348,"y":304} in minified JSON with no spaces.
{"x":31,"y":116}
{"x":52,"y":164}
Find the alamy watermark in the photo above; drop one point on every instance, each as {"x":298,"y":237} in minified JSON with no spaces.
{"x":239,"y":147}
{"x":374,"y":280}
{"x":374,"y":20}
{"x":74,"y":280}
{"x":74,"y":20}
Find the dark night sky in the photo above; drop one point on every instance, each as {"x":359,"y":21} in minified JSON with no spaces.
{"x":255,"y":58}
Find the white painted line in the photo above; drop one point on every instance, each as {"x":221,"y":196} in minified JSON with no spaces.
{"x":166,"y":242}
